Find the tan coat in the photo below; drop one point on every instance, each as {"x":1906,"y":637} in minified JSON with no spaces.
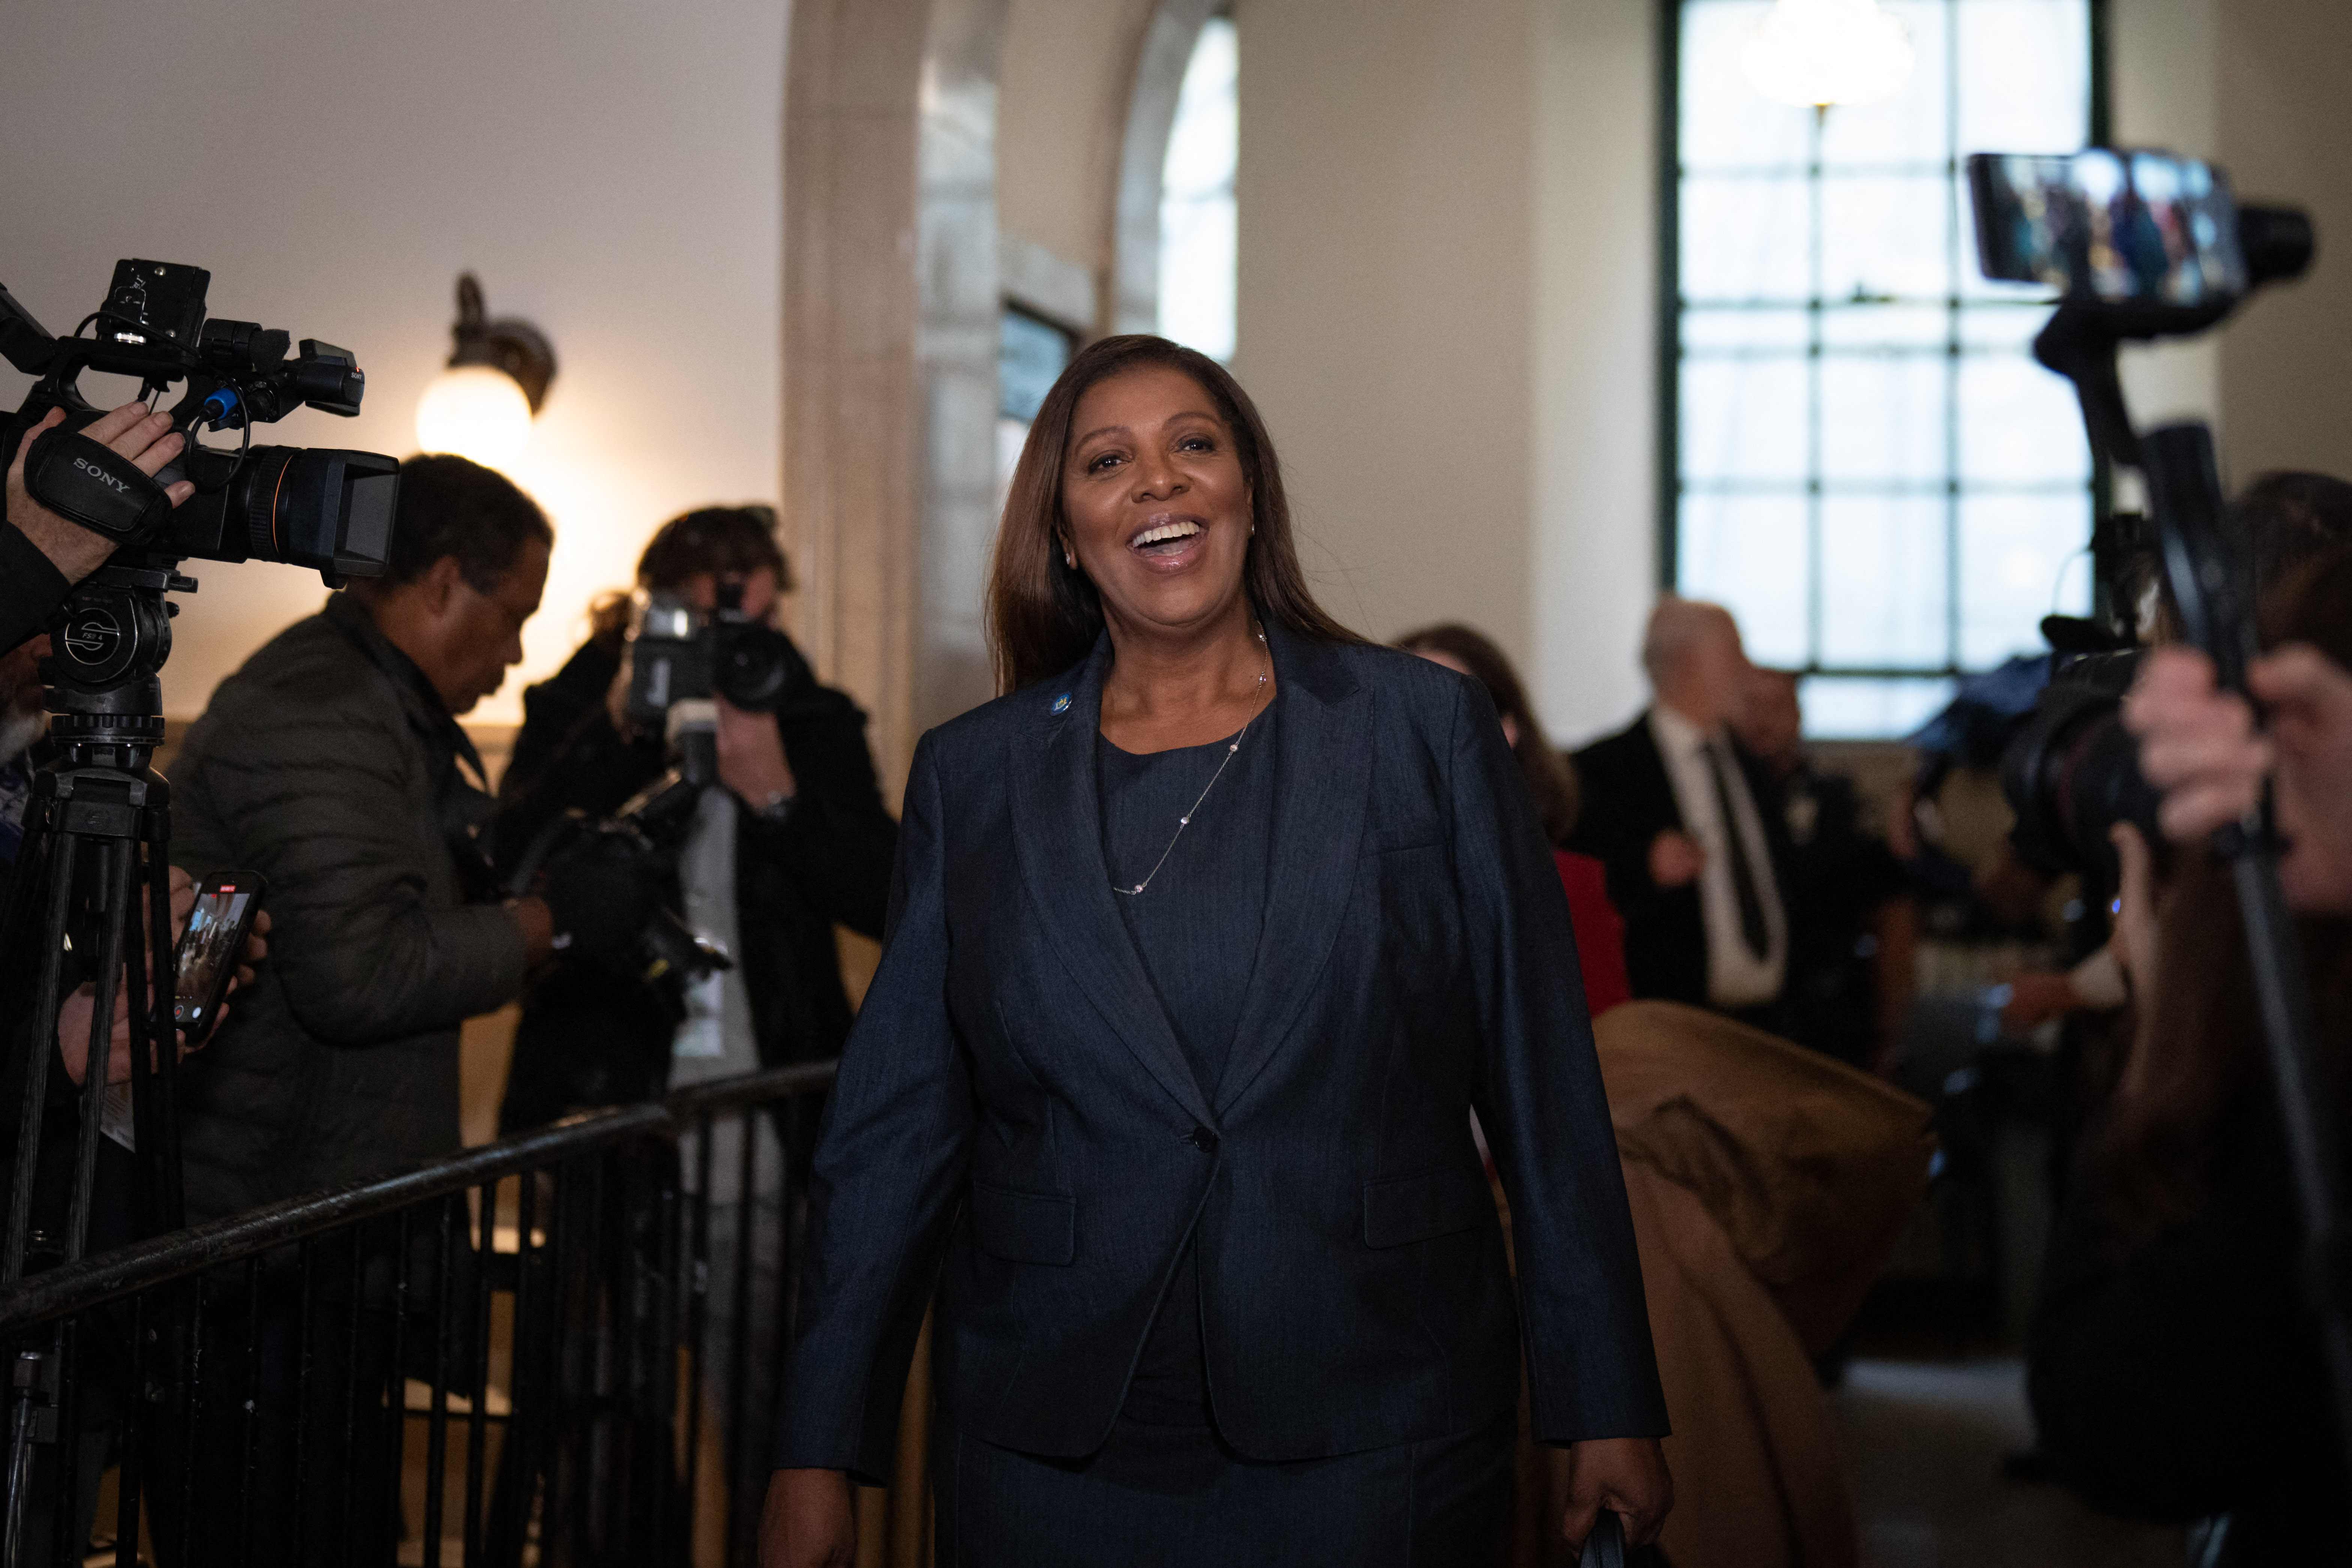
{"x":1768,"y":1183}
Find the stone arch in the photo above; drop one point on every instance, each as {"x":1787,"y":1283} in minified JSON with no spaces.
{"x":890,"y":350}
{"x":1166,"y":49}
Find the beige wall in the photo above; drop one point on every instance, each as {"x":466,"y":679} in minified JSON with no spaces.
{"x":1061,"y":105}
{"x":1592,"y":493}
{"x":2163,"y":94}
{"x":2285,"y":125}
{"x":1446,"y":236}
{"x":611,"y":171}
{"x":1387,"y":280}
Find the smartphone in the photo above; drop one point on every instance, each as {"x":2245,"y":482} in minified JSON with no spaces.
{"x":227,"y":903}
{"x":2109,"y":225}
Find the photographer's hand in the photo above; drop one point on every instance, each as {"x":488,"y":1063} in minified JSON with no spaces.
{"x":2199,"y":746}
{"x":147,"y":440}
{"x":73,"y":1034}
{"x":752,"y":758}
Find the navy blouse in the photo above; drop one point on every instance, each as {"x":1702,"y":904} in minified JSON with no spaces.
{"x":1196,"y":926}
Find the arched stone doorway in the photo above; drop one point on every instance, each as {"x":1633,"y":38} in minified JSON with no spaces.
{"x":890,"y":345}
{"x":892,"y":295}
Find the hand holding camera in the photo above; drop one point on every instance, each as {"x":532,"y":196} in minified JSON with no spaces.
{"x":147,"y":441}
{"x":601,"y":897}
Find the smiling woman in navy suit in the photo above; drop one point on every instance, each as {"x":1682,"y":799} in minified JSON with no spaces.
{"x":1204,"y":942}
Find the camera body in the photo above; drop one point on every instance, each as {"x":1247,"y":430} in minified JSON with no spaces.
{"x":2072,"y":771}
{"x":680,"y":654}
{"x":329,"y":511}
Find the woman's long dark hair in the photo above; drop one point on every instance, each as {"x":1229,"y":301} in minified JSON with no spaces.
{"x":1042,"y":616}
{"x":1550,"y":779}
{"x":2151,"y":1158}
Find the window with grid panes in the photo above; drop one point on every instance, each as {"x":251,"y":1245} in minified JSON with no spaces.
{"x":1869,"y":469}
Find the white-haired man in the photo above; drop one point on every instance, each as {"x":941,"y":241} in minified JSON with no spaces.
{"x":1683,"y":818}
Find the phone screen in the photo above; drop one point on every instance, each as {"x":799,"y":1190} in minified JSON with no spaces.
{"x":2116,"y":227}
{"x":209,"y":947}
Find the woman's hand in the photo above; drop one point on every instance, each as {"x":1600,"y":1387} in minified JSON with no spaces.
{"x":810,"y":1520}
{"x":1626,"y":1476}
{"x":2199,"y":746}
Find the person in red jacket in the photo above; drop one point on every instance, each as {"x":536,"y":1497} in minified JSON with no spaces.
{"x":1600,"y":931}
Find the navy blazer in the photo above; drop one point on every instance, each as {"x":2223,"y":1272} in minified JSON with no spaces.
{"x":1016,"y":1125}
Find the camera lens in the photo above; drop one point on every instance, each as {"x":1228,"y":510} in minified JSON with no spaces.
{"x":2073,"y":772}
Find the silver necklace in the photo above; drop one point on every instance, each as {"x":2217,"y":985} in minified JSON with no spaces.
{"x":1185,"y":821}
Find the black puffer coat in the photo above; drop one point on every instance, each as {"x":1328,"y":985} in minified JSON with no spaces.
{"x":327,"y":764}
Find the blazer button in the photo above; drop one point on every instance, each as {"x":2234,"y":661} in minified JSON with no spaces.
{"x":1204,"y":1139}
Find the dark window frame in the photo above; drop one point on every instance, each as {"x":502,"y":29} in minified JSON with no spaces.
{"x":1668,"y":351}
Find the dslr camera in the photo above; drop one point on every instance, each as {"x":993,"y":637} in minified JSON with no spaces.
{"x":329,"y":511}
{"x":682,"y":661}
{"x":681,"y":658}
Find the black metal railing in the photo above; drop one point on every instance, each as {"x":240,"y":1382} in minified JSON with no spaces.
{"x":558,"y":1349}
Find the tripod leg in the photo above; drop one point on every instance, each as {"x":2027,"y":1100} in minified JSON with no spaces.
{"x":154,"y":1042}
{"x":116,"y":867}
{"x":38,"y":1042}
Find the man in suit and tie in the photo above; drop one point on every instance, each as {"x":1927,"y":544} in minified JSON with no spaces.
{"x":1684,"y":819}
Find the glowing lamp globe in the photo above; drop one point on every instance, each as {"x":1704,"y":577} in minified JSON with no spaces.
{"x":474,"y":411}
{"x":1818,"y":53}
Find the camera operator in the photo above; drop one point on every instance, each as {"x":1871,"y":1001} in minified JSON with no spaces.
{"x":794,"y":841}
{"x":41,"y":553}
{"x":333,"y":764}
{"x":2175,"y":1368}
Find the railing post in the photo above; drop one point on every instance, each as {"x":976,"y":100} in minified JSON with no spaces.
{"x":32,"y":1421}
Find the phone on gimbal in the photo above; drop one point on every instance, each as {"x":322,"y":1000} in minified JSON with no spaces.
{"x":2110,"y":226}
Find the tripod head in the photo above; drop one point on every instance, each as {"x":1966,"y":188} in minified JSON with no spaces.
{"x":108,"y":644}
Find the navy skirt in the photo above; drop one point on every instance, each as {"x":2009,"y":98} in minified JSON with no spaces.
{"x":1177,"y":1498}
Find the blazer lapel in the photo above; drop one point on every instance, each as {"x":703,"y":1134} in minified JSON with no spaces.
{"x":1322,"y":781}
{"x":1057,"y":829}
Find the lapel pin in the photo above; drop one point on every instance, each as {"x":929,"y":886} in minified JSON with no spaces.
{"x":1062,"y":703}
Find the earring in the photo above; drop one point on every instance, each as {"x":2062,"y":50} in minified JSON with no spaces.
{"x":1069,"y":561}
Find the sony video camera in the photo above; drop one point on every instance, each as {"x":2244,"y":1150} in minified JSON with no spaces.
{"x":329,"y":511}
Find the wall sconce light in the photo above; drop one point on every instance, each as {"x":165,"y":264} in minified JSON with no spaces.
{"x":1818,"y":53}
{"x":481,"y":406}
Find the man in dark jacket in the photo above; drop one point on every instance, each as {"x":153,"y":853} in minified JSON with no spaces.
{"x":332,"y":765}
{"x":795,"y":841}
{"x":1688,"y":826}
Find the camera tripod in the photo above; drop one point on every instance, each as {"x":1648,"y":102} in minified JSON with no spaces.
{"x":93,"y":878}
